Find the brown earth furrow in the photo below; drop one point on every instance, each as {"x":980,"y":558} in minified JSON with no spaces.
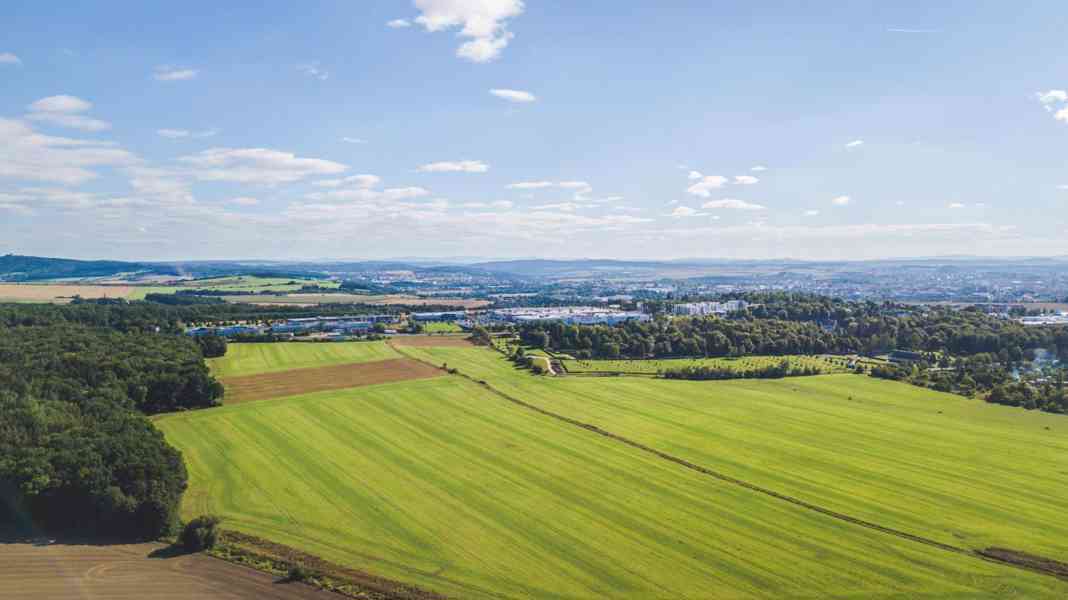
{"x":131,"y":571}
{"x":317,"y":379}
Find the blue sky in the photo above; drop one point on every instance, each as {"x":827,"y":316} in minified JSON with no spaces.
{"x":500,"y":128}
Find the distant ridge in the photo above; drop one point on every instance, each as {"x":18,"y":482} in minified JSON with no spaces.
{"x":14,"y":267}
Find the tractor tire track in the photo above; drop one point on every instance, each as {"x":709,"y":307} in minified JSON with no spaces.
{"x":1041,"y":566}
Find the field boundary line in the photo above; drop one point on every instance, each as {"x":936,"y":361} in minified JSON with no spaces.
{"x":983,"y":555}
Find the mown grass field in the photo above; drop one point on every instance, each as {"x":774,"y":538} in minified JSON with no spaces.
{"x":741,"y":365}
{"x":251,"y":359}
{"x":444,"y":484}
{"x":956,"y":470}
{"x":436,"y":327}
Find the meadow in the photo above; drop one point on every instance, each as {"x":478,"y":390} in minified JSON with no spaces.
{"x":451,"y":485}
{"x":739,"y":364}
{"x":958,"y":470}
{"x":253,"y":359}
{"x":435,"y":327}
{"x":442,"y":484}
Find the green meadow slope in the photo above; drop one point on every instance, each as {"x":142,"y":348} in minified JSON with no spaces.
{"x":443,"y":484}
{"x":955,"y":470}
{"x":253,"y":359}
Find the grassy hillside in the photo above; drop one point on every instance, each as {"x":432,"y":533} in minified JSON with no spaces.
{"x":250,"y":359}
{"x":960,"y":471}
{"x":444,"y":484}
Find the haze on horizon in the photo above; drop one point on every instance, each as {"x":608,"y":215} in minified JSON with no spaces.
{"x":508,"y":128}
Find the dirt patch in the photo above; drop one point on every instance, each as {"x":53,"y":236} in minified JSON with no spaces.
{"x":126,"y":571}
{"x":318,"y":379}
{"x":431,"y":341}
{"x":1033,"y":562}
{"x":242,"y":547}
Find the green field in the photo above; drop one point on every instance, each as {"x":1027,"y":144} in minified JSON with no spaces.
{"x":741,"y":365}
{"x":445,"y":485}
{"x":946,"y":467}
{"x":442,"y":328}
{"x":251,"y":359}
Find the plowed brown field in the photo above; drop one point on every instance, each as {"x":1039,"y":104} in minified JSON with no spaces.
{"x":125,"y":571}
{"x":318,"y":379}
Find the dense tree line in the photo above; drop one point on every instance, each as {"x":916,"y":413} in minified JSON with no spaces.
{"x":145,"y":316}
{"x":76,"y":450}
{"x":855,"y":329}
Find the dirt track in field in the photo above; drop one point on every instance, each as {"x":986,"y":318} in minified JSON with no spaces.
{"x":126,"y":572}
{"x":318,"y":379}
{"x":431,"y":341}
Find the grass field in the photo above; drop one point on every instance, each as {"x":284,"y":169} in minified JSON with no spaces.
{"x":741,"y":365}
{"x":444,"y":484}
{"x":957,"y":470}
{"x":442,"y":328}
{"x":252,"y":359}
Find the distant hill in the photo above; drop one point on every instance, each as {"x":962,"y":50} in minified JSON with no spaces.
{"x":14,"y":267}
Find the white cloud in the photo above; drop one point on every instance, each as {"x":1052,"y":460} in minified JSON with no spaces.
{"x":169,"y":73}
{"x":484,"y":22}
{"x":459,"y":166}
{"x":1062,"y":187}
{"x":812,"y":213}
{"x":529,"y":185}
{"x":514,"y":95}
{"x":694,"y":175}
{"x":706,"y":184}
{"x":73,"y":121}
{"x":683,"y":211}
{"x":244,"y":201}
{"x":956,"y":205}
{"x":745,"y":179}
{"x":855,"y":143}
{"x":63,"y":111}
{"x":28,"y":155}
{"x":7,"y":58}
{"x":314,"y":70}
{"x":175,"y":134}
{"x":363,"y":181}
{"x":841,"y":201}
{"x":575,"y":185}
{"x":1052,"y":96}
{"x":399,"y":23}
{"x":366,"y":195}
{"x":563,"y":206}
{"x":60,"y":104}
{"x":1062,"y":115}
{"x":352,"y":140}
{"x":257,"y":165}
{"x":501,"y":204}
{"x":733,"y":204}
{"x":911,"y":30}
{"x":758,"y":168}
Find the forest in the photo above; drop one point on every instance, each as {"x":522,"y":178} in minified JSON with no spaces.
{"x":77,"y":451}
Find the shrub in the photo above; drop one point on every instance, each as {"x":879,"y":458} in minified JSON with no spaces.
{"x":298,"y":573}
{"x":200,"y":534}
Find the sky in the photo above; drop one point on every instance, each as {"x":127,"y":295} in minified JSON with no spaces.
{"x":371,"y":129}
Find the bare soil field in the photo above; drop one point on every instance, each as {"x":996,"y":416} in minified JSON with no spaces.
{"x":32,"y":292}
{"x":130,"y":571}
{"x":317,"y":379}
{"x":431,"y":341}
